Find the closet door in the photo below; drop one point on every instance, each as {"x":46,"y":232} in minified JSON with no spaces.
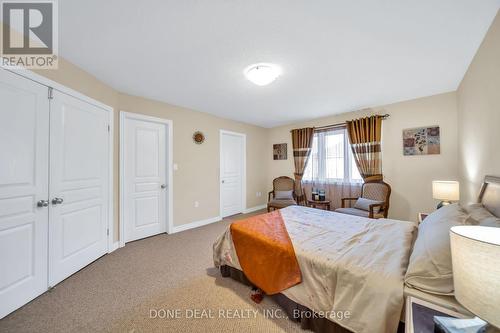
{"x":24,"y":140}
{"x":79,"y":171}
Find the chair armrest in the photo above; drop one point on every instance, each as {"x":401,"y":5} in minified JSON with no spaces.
{"x":347,"y":199}
{"x":372,"y":206}
{"x":269,"y":196}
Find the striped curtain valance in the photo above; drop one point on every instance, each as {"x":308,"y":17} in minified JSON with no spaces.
{"x":367,"y":148}
{"x":301,"y":152}
{"x":365,"y":130}
{"x":365,"y":135}
{"x":302,"y":140}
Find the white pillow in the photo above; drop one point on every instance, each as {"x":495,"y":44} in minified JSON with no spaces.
{"x":364,"y":204}
{"x":479,"y":215}
{"x":283,"y":195}
{"x":490,"y":222}
{"x":430,"y":267}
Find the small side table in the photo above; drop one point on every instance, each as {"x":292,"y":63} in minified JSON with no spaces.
{"x":324,"y":204}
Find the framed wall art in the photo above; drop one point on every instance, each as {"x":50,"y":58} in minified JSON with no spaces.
{"x":280,"y":151}
{"x":421,"y":141}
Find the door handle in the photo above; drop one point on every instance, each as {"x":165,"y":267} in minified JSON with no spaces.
{"x":42,"y":203}
{"x":57,"y":201}
{"x":222,"y":182}
{"x":163,"y":186}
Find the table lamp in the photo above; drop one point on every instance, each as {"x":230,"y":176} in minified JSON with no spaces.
{"x":446,"y":191}
{"x":475,"y":253}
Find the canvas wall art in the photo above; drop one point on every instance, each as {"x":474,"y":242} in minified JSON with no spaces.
{"x":421,"y":141}
{"x":279,"y":151}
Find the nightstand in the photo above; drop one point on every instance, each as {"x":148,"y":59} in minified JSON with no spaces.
{"x":419,"y":315}
{"x":320,"y":204}
{"x":422,"y":216}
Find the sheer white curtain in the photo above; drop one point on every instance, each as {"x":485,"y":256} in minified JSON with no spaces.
{"x":334,"y":191}
{"x":331,"y":167}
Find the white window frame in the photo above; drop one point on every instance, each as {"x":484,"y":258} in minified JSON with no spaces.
{"x":348,"y":159}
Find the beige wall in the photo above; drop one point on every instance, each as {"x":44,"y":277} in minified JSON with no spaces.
{"x":409,"y":176}
{"x":197,"y":178}
{"x":479,"y":116}
{"x":76,"y":78}
{"x":477,"y":119}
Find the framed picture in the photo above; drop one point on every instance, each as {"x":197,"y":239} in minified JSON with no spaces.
{"x":280,"y":151}
{"x":421,"y":141}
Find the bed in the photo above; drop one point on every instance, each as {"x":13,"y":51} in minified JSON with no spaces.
{"x":349,"y":264}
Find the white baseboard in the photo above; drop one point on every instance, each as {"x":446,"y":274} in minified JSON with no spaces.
{"x":196,"y":224}
{"x":253,"y":209}
{"x":187,"y":226}
{"x":114,"y":247}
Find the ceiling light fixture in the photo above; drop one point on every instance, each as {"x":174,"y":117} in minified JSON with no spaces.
{"x":262,"y":74}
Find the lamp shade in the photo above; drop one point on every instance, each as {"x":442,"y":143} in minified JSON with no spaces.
{"x":475,"y":253}
{"x":445,"y":190}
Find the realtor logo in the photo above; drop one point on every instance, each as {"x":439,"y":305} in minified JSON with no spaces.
{"x":29,"y":36}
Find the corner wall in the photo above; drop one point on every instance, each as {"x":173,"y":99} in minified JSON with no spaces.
{"x":197,"y":178}
{"x":476,"y":154}
{"x":478,"y":99}
{"x":409,"y":176}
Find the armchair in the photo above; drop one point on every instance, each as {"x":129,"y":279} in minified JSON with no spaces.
{"x":283,"y":193}
{"x":376,"y":196}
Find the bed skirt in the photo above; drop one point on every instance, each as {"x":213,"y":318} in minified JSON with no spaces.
{"x":307,"y":320}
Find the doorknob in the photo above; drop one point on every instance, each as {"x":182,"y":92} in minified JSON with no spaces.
{"x":57,"y":201}
{"x":222,"y":182}
{"x":42,"y":203}
{"x":163,"y":186}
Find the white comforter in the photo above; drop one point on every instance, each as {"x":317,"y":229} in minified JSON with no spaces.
{"x":352,"y":267}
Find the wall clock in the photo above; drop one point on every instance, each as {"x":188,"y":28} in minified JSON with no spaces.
{"x":198,"y":137}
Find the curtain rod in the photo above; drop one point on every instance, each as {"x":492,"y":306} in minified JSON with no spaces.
{"x":385,"y":116}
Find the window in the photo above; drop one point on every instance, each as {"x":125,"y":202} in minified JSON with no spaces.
{"x":331,"y":158}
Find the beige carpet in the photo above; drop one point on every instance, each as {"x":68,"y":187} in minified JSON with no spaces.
{"x":170,"y":274}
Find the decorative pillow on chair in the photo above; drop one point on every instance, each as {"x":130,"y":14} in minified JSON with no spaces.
{"x":364,"y":204}
{"x":283,"y":195}
{"x":430,"y":267}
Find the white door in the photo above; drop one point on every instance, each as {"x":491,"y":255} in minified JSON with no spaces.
{"x":232,"y":148}
{"x":144,"y":178}
{"x":79,"y":172}
{"x":24,"y":144}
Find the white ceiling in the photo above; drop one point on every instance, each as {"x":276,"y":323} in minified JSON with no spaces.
{"x":336,"y":55}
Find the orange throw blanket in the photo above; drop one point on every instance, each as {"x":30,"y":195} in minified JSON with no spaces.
{"x":266,"y":253}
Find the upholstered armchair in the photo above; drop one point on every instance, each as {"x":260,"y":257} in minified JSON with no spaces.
{"x":283,"y":193}
{"x":373,"y":203}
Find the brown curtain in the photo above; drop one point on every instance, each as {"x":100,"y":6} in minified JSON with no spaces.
{"x":302,"y":140}
{"x":365,"y":136}
{"x":334,"y":191}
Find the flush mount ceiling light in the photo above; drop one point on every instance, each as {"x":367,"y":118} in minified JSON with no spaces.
{"x":262,"y":74}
